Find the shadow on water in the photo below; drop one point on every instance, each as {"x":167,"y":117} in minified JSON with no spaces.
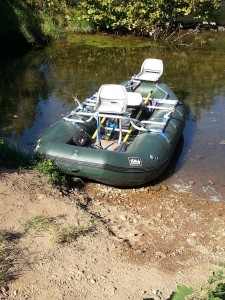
{"x":22,"y":83}
{"x":174,"y":164}
{"x":180,"y":154}
{"x":20,"y":91}
{"x":12,"y":41}
{"x":19,"y":28}
{"x":9,"y":27}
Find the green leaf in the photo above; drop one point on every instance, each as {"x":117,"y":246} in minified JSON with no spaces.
{"x":182,"y":292}
{"x":91,"y":11}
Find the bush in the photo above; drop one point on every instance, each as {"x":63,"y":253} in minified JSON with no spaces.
{"x":145,"y":17}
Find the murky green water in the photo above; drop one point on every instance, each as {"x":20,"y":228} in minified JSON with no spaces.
{"x":36,"y":90}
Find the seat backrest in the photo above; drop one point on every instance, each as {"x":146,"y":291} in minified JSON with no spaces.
{"x":111,"y":98}
{"x":151,"y":70}
{"x":134,"y":99}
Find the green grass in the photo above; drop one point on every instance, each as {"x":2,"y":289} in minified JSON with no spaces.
{"x":57,"y":226}
{"x":7,"y":257}
{"x":76,"y":23}
{"x":51,"y":171}
{"x":71,"y":233}
{"x":21,"y":25}
{"x":48,"y":26}
{"x":38,"y":223}
{"x":12,"y":157}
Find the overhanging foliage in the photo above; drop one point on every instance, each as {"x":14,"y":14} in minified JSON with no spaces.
{"x":146,"y":17}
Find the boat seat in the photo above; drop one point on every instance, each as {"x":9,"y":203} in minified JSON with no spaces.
{"x":151,"y":70}
{"x":134,"y":99}
{"x":111,"y":98}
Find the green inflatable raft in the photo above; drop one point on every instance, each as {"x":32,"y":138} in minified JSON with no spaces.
{"x":124,"y":135}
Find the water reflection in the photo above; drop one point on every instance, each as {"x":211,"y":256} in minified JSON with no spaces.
{"x":37,"y":89}
{"x":21,"y":86}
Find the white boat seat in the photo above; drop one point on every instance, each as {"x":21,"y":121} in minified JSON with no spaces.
{"x":111,"y":98}
{"x":134,"y":99}
{"x":151,"y":70}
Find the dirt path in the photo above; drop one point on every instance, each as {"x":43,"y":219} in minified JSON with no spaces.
{"x":139,"y":243}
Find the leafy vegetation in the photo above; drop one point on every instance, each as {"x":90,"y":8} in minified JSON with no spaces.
{"x":182,"y":292}
{"x":36,"y":22}
{"x":150,"y":18}
{"x":51,"y":171}
{"x":213,"y":289}
{"x":53,"y":175}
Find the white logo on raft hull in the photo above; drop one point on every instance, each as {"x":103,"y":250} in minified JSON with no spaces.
{"x":135,"y":161}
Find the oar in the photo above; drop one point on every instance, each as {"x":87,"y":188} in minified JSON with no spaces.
{"x":137,"y":117}
{"x":98,"y":127}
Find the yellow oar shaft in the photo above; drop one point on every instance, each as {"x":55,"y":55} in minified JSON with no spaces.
{"x":96,"y":131}
{"x":137,"y":117}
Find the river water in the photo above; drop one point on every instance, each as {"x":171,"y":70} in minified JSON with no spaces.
{"x":37,"y":89}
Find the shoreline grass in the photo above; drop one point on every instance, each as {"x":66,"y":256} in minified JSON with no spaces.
{"x":8,"y":254}
{"x":60,"y":233}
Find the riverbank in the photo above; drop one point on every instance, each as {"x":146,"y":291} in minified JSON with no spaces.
{"x":34,"y":24}
{"x":131,"y":244}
